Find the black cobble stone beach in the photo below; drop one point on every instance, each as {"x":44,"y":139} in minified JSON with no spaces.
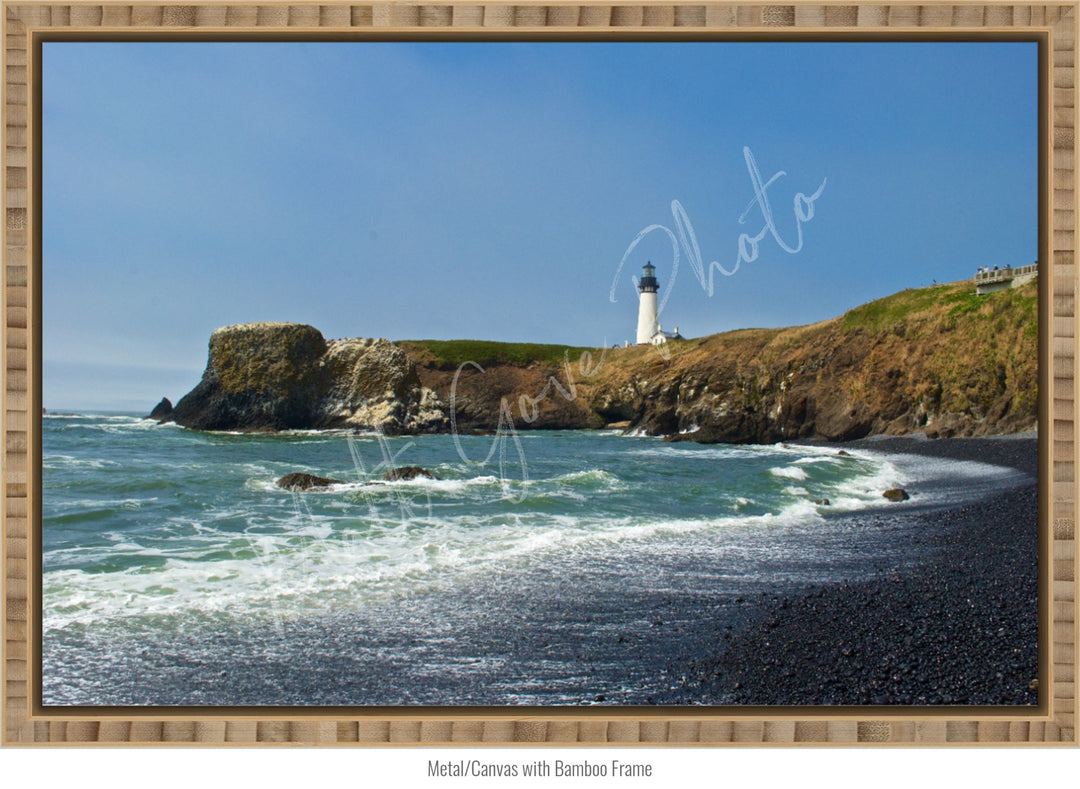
{"x":957,"y":628}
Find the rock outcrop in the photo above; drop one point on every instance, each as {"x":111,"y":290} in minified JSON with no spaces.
{"x":162,"y":411}
{"x":299,"y":480}
{"x":500,"y":395}
{"x":373,"y":384}
{"x":402,"y":473}
{"x":259,"y":376}
{"x":282,"y":376}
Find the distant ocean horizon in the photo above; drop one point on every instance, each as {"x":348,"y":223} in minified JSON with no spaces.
{"x":534,"y":570}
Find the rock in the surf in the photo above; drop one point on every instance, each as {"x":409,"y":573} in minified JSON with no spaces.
{"x":407,"y":472}
{"x":162,"y":411}
{"x":301,"y":481}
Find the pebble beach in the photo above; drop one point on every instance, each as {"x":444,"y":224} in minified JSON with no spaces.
{"x":958,"y":628}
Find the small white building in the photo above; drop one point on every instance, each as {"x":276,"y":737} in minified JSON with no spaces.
{"x":649,"y":331}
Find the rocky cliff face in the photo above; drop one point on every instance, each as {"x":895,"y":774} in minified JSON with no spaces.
{"x":939,"y":360}
{"x":531,"y":395}
{"x":280,"y":376}
{"x":374,"y":384}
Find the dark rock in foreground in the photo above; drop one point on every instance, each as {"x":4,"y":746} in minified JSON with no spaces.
{"x":163,"y":411}
{"x":406,"y":473}
{"x":301,"y":481}
{"x":896,"y":494}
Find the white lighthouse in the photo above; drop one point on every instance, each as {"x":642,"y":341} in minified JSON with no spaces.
{"x":647,"y":326}
{"x":649,"y":330}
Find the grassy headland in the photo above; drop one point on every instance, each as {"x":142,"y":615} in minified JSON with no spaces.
{"x":940,"y":359}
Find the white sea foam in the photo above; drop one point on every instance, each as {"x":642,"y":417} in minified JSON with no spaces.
{"x":113,"y":424}
{"x":266,"y":553}
{"x":322,"y":565}
{"x":67,"y":461}
{"x":591,"y":481}
{"x":658,"y":449}
{"x":92,"y":505}
{"x":940,"y":480}
{"x":813,"y":459}
{"x":788,"y":472}
{"x":331,"y":433}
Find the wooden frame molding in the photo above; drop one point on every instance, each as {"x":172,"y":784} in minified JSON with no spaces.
{"x":26,"y":24}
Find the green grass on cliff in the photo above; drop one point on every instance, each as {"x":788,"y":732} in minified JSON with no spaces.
{"x":972,"y":355}
{"x":451,"y":354}
{"x":884,"y":313}
{"x":942,"y":302}
{"x":911,"y":314}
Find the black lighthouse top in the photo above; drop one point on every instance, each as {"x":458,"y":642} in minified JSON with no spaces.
{"x":648,"y":283}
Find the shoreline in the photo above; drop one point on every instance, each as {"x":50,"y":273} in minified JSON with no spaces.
{"x":903,"y":604}
{"x":958,"y":627}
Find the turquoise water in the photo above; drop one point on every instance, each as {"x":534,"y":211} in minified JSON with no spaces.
{"x":175,"y":571}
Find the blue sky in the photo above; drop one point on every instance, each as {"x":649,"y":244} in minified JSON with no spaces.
{"x":490,"y":190}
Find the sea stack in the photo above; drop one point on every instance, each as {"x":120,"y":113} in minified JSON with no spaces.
{"x":258,"y":376}
{"x":286,"y":376}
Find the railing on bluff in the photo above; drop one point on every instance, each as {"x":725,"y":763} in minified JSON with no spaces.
{"x":986,"y":281}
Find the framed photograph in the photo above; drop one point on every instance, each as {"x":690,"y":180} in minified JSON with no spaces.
{"x":519,"y":373}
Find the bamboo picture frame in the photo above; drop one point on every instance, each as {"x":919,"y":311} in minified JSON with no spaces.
{"x":27,"y":24}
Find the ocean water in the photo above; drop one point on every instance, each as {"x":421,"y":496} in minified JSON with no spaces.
{"x":539,"y":568}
